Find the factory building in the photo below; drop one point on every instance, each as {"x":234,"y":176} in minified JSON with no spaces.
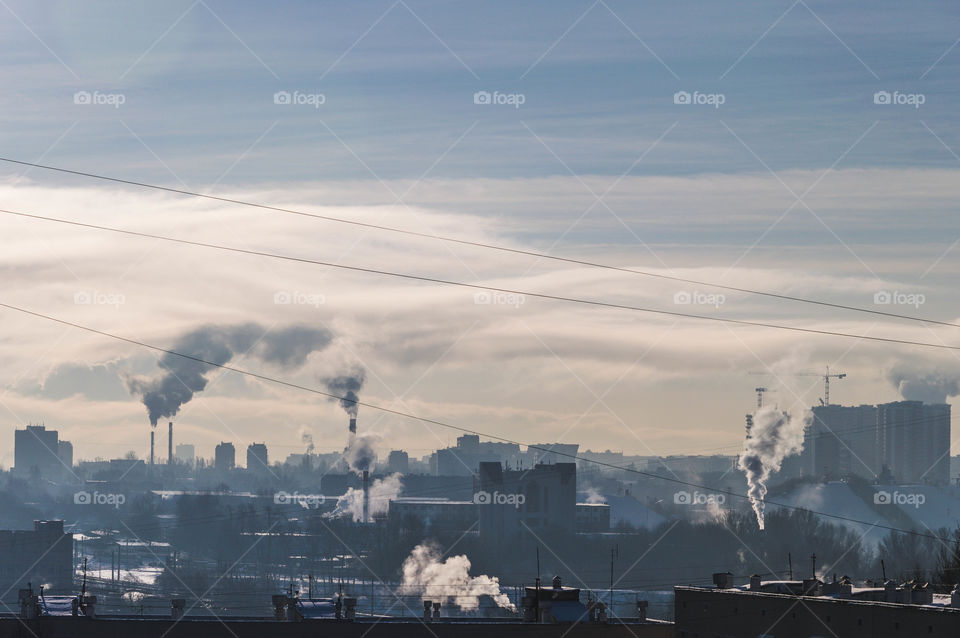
{"x":593,"y":517}
{"x":439,"y":514}
{"x":513,"y":503}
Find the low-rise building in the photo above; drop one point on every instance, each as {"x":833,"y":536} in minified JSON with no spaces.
{"x":42,"y":556}
{"x":800,"y":609}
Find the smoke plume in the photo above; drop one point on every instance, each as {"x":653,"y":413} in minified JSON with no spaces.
{"x":182,"y":377}
{"x":930,"y":386}
{"x":449,"y":581}
{"x":306,"y":438}
{"x":382,"y":491}
{"x":360,"y":455}
{"x":347,"y":386}
{"x":773,"y":437}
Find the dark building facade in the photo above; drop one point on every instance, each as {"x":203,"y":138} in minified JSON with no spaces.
{"x":36,"y":450}
{"x":513,"y":503}
{"x":224,"y":457}
{"x":43,"y":556}
{"x":908,"y":440}
{"x":702,"y":612}
{"x":257,"y":460}
{"x":914,"y":441}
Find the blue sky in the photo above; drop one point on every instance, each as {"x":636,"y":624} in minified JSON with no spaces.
{"x":798,"y":181}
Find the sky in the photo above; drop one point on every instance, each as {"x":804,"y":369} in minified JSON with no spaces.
{"x":817,"y":157}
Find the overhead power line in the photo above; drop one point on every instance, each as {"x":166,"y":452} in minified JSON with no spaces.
{"x":478,"y":244}
{"x":488,"y":288}
{"x":450,"y":426}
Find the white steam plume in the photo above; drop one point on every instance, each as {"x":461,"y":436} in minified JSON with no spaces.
{"x":382,"y":491}
{"x":773,"y":437}
{"x":449,"y":580}
{"x":594,"y":496}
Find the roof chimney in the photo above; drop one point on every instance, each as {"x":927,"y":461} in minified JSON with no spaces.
{"x":366,"y":496}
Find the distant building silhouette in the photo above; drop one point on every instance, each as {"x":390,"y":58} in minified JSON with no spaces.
{"x":514,"y":503}
{"x":398,"y":461}
{"x":224,"y":457}
{"x":257,"y":458}
{"x":906,"y":440}
{"x":185,"y":453}
{"x":37,"y":450}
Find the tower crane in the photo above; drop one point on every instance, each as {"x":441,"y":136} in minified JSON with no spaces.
{"x":825,"y":376}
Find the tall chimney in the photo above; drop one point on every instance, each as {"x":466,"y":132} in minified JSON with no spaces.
{"x":170,"y":445}
{"x":353,"y":425}
{"x":151,"y":448}
{"x":366,"y":496}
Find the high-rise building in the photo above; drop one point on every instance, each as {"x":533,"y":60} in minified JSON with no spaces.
{"x":224,"y":457}
{"x":37,"y":450}
{"x":65,"y":454}
{"x":842,"y":440}
{"x":257,"y":457}
{"x":909,"y":439}
{"x":914,"y":441}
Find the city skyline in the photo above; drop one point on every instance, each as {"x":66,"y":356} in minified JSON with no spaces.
{"x":586,"y":150}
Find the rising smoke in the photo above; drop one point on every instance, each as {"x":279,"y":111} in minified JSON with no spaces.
{"x":306,"y":438}
{"x":449,"y":581}
{"x":929,"y":385}
{"x":347,"y":386}
{"x":773,"y":437}
{"x":360,"y":454}
{"x":382,"y":491}
{"x":182,"y":377}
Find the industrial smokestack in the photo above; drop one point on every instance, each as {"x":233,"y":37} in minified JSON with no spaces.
{"x":353,"y":425}
{"x":170,"y":444}
{"x":366,"y":496}
{"x":151,"y":448}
